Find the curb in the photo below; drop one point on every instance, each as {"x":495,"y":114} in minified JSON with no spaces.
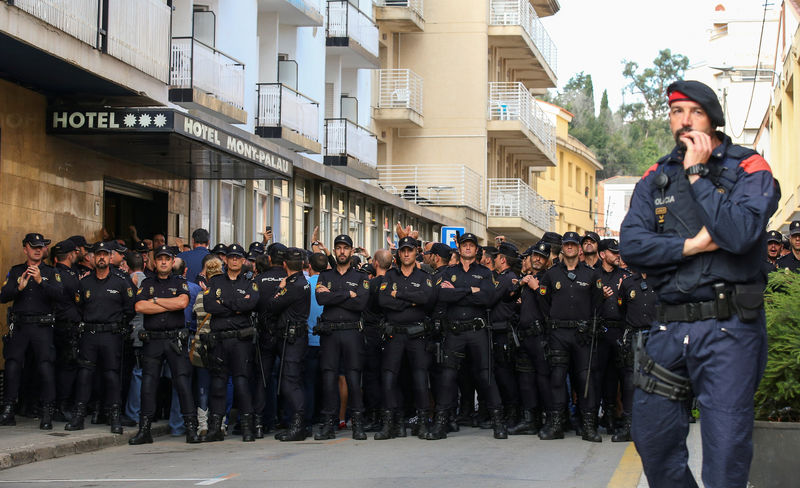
{"x":61,"y":447}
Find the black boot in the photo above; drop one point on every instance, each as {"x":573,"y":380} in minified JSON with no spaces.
{"x":423,"y":417}
{"x":78,"y":416}
{"x":248,"y":427}
{"x":526,"y":425}
{"x":554,"y":428}
{"x":144,"y":436}
{"x":372,"y":421}
{"x":453,"y":425}
{"x":623,"y":434}
{"x":190,"y":422}
{"x":399,"y":424}
{"x":259,"y":427}
{"x":328,"y":429}
{"x":512,"y":415}
{"x":358,"y":426}
{"x":7,"y":415}
{"x":498,"y":424}
{"x":98,"y":414}
{"x":483,"y":419}
{"x":46,"y":416}
{"x":439,"y":428}
{"x":214,"y":429}
{"x":590,"y":428}
{"x":387,"y":429}
{"x":296,"y":430}
{"x":114,"y":420}
{"x":63,"y":413}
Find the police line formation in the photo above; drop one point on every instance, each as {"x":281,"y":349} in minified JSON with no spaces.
{"x":551,"y":339}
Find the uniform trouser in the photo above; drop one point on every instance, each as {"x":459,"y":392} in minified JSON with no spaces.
{"x":609,"y":354}
{"x":371,"y":376}
{"x":505,"y":367}
{"x":154,"y":352}
{"x":724,"y":359}
{"x":292,"y":359}
{"x":39,"y":338}
{"x":104,"y":348}
{"x":419,"y":359}
{"x":566,"y":351}
{"x":476,"y":345}
{"x":533,"y":372}
{"x":347,"y":346}
{"x":231,"y":357}
{"x":65,"y":338}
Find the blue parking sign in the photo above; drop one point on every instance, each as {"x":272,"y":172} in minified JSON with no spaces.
{"x":449,"y":235}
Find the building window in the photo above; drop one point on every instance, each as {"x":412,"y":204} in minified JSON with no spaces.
{"x":356,"y":222}
{"x":302,"y":211}
{"x":338,"y":215}
{"x":371,"y":235}
{"x":281,"y":211}
{"x":261,"y":214}
{"x":231,"y":212}
{"x":325,"y":214}
{"x":569,"y":175}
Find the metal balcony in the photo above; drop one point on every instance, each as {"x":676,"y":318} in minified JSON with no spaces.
{"x":302,"y":13}
{"x":522,"y":41}
{"x":288,"y":117}
{"x":351,"y":148}
{"x":400,"y":15}
{"x":519,"y":125}
{"x":352,"y":35}
{"x":206,"y":79}
{"x":399,"y":98}
{"x":517,"y":211}
{"x":437,"y":185}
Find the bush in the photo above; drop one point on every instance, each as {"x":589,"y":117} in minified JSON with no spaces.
{"x":778,"y":395}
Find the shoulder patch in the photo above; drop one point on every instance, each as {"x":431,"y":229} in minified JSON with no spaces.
{"x":130,"y":292}
{"x":542,"y":290}
{"x":139,"y":291}
{"x":599,"y":284}
{"x":439,"y":281}
{"x":755,"y":163}
{"x":58,"y":277}
{"x":650,"y":170}
{"x":185,"y":287}
{"x":206,"y":292}
{"x":366,"y":284}
{"x":255,"y":287}
{"x":384,"y":285}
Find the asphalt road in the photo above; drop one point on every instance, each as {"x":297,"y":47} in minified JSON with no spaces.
{"x":470,"y":458}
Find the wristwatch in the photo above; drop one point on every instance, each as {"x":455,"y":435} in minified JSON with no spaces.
{"x":155,"y":299}
{"x":698,"y":169}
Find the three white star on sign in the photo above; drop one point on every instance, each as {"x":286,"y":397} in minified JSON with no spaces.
{"x":144,"y":120}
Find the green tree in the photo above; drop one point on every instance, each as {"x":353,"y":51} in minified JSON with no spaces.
{"x":652,"y":82}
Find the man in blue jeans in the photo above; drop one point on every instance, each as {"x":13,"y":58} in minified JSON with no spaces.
{"x":696,"y":226}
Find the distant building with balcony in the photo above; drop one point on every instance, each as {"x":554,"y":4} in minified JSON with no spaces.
{"x":613,"y":201}
{"x":571,"y":185}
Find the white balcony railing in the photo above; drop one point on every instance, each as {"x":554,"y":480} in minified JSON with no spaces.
{"x":413,"y":5}
{"x":399,"y":88}
{"x":344,"y":138}
{"x":346,"y":20}
{"x":521,"y":13}
{"x":138,"y":34}
{"x":443,"y":185}
{"x":512,"y":101}
{"x":196,"y":65}
{"x":78,"y":18}
{"x":280,"y":106}
{"x":511,"y":197}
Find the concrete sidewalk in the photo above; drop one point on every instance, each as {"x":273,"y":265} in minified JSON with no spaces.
{"x":25,"y":443}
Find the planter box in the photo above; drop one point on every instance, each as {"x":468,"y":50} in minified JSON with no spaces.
{"x":775,"y":449}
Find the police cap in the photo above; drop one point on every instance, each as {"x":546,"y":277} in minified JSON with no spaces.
{"x":468,"y":237}
{"x":163,"y":251}
{"x":407,"y":242}
{"x":694,"y":91}
{"x":105,"y":246}
{"x":491,"y":251}
{"x":508,"y":249}
{"x":541,"y":248}
{"x":794,"y":227}
{"x":591,"y":235}
{"x":571,"y":237}
{"x":609,"y":245}
{"x":63,"y":247}
{"x":775,"y":236}
{"x":141,"y":247}
{"x":440,"y":249}
{"x":35,"y":240}
{"x":276,"y":249}
{"x":294,"y":254}
{"x":79,"y":241}
{"x":256,"y":247}
{"x":235,"y":250}
{"x":220,"y":249}
{"x":343,"y":239}
{"x":120,"y":248}
{"x":552,"y":238}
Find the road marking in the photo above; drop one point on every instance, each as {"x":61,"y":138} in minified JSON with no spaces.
{"x":202,"y":481}
{"x":214,"y":481}
{"x":629,"y":470}
{"x":337,"y":441}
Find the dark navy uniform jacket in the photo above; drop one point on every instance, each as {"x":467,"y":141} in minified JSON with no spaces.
{"x":637,"y":301}
{"x":569,"y":298}
{"x":530,"y":309}
{"x":106,"y":301}
{"x":373,"y":314}
{"x":437,"y":309}
{"x":68,"y":308}
{"x":788,"y":262}
{"x":171,"y":287}
{"x":35,"y":298}
{"x":462,"y":304}
{"x":734,"y":203}
{"x":609,"y":309}
{"x":292,"y":303}
{"x":505,"y":300}
{"x":414,"y":292}
{"x":230,"y":301}
{"x":268,"y":282}
{"x":337,"y":304}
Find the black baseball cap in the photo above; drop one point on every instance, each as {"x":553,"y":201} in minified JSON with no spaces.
{"x":794,"y":227}
{"x":571,"y":237}
{"x":163,"y":251}
{"x":220,"y":249}
{"x":508,"y":249}
{"x":276,"y":249}
{"x":343,"y":239}
{"x":490,"y":250}
{"x":542,"y":248}
{"x":552,"y":238}
{"x":252,"y":255}
{"x":294,"y":254}
{"x":235,"y":250}
{"x":609,"y":245}
{"x":119,"y":247}
{"x":590,"y":235}
{"x":467,"y":237}
{"x":440,"y":249}
{"x":256,"y":247}
{"x":774,"y":236}
{"x":35,"y":240}
{"x":79,"y":241}
{"x":63,"y":247}
{"x":141,"y":247}
{"x":105,"y":246}
{"x":408,"y":242}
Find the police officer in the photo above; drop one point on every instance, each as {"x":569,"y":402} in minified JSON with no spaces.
{"x":468,"y":290}
{"x":291,"y":304}
{"x":230,"y":299}
{"x":343,"y":293}
{"x":35,"y":289}
{"x":162,"y":301}
{"x":774,"y":245}
{"x":268,"y":282}
{"x":572,"y":293}
{"x":83,"y":262}
{"x":107,"y":306}
{"x":590,"y":246}
{"x":609,"y":353}
{"x":373,"y":317}
{"x":67,"y":326}
{"x":503,"y":317}
{"x":404,"y":296}
{"x":791,"y":260}
{"x":531,"y":363}
{"x":710,"y":330}
{"x":637,"y":302}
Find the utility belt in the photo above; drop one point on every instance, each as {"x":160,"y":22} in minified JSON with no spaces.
{"x":412,"y":330}
{"x":289,"y":331}
{"x":98,"y":327}
{"x":327,"y":328}
{"x":534,"y":328}
{"x":614,"y":324}
{"x":244,"y":333}
{"x":569,"y":324}
{"x":654,"y":378}
{"x":746,"y":301}
{"x":457,"y":326}
{"x":44,"y":319}
{"x":154,"y":335}
{"x":500,"y":326}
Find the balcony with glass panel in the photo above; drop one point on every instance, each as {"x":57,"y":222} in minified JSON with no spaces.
{"x":288,"y":118}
